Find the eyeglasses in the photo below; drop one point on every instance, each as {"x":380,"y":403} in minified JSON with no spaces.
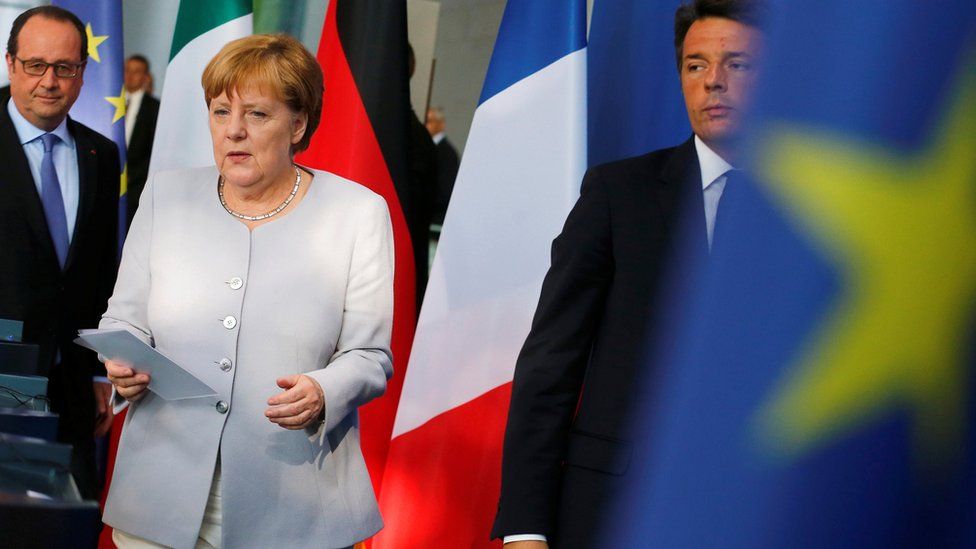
{"x":35,"y":67}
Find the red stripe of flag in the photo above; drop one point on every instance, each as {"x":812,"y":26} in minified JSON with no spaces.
{"x":443,"y":478}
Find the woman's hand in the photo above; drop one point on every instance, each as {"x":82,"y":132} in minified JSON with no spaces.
{"x":299,"y":406}
{"x":130,"y":385}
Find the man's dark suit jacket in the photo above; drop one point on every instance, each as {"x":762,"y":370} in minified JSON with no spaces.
{"x":585,"y":351}
{"x":447,"y":169}
{"x":55,"y":304}
{"x":138,"y":152}
{"x":417,"y":206}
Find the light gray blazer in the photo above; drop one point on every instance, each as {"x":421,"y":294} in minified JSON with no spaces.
{"x":314,"y":296}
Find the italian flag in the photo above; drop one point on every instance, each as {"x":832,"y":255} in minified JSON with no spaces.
{"x":202,"y":28}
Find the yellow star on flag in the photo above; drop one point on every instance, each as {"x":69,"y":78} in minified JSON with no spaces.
{"x":93,"y":43}
{"x":119,"y":103}
{"x":901,"y":228}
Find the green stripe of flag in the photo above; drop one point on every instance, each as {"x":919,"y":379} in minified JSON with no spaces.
{"x":199,"y":16}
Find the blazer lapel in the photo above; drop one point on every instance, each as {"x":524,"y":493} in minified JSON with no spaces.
{"x":17,"y":183}
{"x":87,"y":188}
{"x":682,"y":174}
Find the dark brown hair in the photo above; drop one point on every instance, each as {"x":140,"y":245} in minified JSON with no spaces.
{"x":48,"y":12}
{"x":747,"y":12}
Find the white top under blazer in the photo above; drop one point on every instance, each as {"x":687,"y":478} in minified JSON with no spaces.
{"x":309,"y":292}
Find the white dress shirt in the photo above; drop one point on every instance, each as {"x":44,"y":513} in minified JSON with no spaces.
{"x":713,"y":168}
{"x":133,"y":100}
{"x":65,"y":160}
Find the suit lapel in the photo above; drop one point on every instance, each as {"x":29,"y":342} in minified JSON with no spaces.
{"x":18,"y":183}
{"x":682,"y":176}
{"x":87,"y":187}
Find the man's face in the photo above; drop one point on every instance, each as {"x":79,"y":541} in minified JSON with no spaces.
{"x":718,"y":71}
{"x":45,"y":100}
{"x":136,"y":75}
{"x":435,"y":124}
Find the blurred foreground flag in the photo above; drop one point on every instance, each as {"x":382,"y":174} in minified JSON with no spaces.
{"x":519,"y":177}
{"x":818,"y":390}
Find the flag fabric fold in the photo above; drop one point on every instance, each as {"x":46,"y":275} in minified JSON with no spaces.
{"x":519,"y":177}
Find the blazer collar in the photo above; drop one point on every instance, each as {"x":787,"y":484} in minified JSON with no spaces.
{"x":682,"y":174}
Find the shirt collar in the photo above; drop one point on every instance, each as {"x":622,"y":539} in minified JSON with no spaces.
{"x":28,"y":132}
{"x":438,"y":137}
{"x":712,"y":165}
{"x":135,"y":97}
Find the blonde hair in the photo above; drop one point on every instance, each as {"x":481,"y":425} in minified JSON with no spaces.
{"x":275,"y":63}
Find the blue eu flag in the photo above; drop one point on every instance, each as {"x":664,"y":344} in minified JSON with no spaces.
{"x":818,"y":390}
{"x":101,"y":105}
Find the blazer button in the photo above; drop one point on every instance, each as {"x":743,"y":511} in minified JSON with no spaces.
{"x":222,"y":407}
{"x":230,"y":322}
{"x":236,"y":283}
{"x":225,"y":364}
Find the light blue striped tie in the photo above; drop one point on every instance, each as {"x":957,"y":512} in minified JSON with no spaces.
{"x":57,"y":222}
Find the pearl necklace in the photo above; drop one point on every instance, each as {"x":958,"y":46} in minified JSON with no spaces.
{"x":276,"y":211}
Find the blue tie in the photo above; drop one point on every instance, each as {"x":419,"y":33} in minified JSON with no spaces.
{"x":57,"y":222}
{"x":731,"y":194}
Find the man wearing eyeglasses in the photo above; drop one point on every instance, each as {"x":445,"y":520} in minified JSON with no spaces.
{"x":59,"y":188}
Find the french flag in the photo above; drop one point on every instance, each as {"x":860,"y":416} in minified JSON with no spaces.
{"x":519,"y":177}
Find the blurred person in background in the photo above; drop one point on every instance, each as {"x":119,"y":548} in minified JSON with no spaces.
{"x":141,"y":111}
{"x":447,"y":163}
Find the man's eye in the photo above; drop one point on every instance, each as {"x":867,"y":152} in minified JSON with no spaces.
{"x":695,"y":68}
{"x":36,"y":65}
{"x":738,"y":66}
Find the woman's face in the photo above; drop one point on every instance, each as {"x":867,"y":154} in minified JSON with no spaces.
{"x":252,"y":136}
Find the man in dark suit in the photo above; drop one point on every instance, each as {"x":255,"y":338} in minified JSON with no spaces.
{"x":567,"y":443}
{"x":59,"y":188}
{"x":141,"y":111}
{"x":447,"y":163}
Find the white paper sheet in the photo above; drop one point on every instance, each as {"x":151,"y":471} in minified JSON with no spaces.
{"x":167,"y":379}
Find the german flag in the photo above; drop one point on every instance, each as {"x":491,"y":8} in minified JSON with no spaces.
{"x":365,"y":137}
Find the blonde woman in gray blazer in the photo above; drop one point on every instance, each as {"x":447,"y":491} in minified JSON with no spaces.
{"x":273,"y":284}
